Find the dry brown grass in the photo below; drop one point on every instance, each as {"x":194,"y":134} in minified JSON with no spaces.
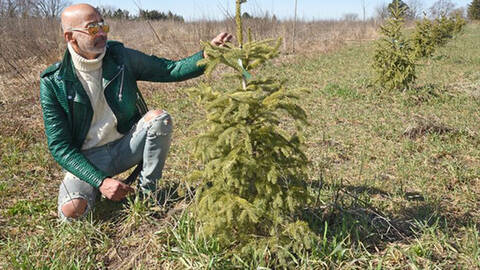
{"x":29,"y":45}
{"x":180,"y":39}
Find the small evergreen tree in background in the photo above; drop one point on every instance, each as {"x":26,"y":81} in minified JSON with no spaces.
{"x":430,"y":35}
{"x":396,"y":56}
{"x":402,"y":5}
{"x":394,"y":62}
{"x":252,"y":183}
{"x":474,"y":10}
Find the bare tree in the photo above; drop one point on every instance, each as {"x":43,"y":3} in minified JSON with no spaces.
{"x":294,"y":26}
{"x":381,"y":12}
{"x":51,"y":8}
{"x":8,"y":8}
{"x":364,"y":9}
{"x":27,"y":8}
{"x":441,"y":7}
{"x":107,"y":10}
{"x":350,"y":17}
{"x":415,"y":8}
{"x":461,"y":12}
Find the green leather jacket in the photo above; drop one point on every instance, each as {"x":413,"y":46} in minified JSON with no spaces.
{"x":67,"y":112}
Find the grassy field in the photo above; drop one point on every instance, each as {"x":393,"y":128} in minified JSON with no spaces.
{"x":395,"y":175}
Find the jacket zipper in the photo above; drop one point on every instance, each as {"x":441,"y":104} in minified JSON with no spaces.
{"x":122,"y":70}
{"x":121,"y":86}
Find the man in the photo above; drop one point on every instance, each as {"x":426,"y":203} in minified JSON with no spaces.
{"x":95,"y":118}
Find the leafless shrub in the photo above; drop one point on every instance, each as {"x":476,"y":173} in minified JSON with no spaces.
{"x":381,"y":12}
{"x":28,"y":46}
{"x":350,"y":17}
{"x":415,"y":8}
{"x":441,"y":7}
{"x":51,"y":8}
{"x":28,"y":8}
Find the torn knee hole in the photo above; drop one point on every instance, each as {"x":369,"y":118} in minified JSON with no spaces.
{"x":152,"y":114}
{"x":75,"y":208}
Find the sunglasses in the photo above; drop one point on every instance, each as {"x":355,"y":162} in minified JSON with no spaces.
{"x":94,"y":28}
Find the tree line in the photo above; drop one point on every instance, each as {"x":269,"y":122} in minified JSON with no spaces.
{"x":32,"y":8}
{"x":413,"y":9}
{"x":144,"y":14}
{"x":53,"y":8}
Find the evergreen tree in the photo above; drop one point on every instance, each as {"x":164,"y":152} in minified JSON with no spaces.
{"x":252,"y":183}
{"x":246,"y":15}
{"x":430,"y":35}
{"x":394,"y":62}
{"x":474,"y":10}
{"x":121,"y":14}
{"x":401,"y":5}
{"x":396,"y":55}
{"x":156,"y":15}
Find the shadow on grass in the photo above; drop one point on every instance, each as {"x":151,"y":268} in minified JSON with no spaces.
{"x":350,"y":217}
{"x":107,"y":210}
{"x":428,"y":93}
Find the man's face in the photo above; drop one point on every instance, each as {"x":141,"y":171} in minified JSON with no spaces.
{"x":89,"y":45}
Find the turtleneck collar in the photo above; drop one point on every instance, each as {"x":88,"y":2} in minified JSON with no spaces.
{"x":83,"y":64}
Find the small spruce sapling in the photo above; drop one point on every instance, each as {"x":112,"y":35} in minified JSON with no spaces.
{"x":396,"y":56}
{"x":430,"y":35}
{"x":473,"y":10}
{"x":252,"y":181}
{"x":394,"y":61}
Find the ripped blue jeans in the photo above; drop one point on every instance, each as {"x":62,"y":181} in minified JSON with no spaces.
{"x":147,"y":140}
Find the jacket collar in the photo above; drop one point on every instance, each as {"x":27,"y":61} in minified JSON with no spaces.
{"x":66,"y":71}
{"x":110,"y":65}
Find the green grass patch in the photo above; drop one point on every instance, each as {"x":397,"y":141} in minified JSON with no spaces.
{"x":27,"y":208}
{"x":336,"y":90}
{"x":68,"y":246}
{"x":3,"y":188}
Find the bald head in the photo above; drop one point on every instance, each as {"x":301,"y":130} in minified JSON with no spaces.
{"x":79,"y":15}
{"x":75,"y":22}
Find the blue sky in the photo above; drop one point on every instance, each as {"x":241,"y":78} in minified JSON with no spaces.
{"x":214,"y":9}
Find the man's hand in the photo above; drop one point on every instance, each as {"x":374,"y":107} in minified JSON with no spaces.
{"x":220,"y":40}
{"x":115,"y":190}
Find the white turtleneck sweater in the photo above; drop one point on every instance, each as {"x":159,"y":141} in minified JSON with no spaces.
{"x":103,"y":128}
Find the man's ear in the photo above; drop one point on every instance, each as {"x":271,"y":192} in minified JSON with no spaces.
{"x":68,"y":36}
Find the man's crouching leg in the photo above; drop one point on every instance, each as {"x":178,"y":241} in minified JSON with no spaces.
{"x":157,"y":143}
{"x":74,"y":208}
{"x":75,"y":198}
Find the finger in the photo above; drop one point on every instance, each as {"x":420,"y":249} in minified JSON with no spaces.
{"x":222,"y":35}
{"x":129,"y":189}
{"x":122,"y":194}
{"x":126,"y":188}
{"x":219,"y":39}
{"x":116,"y":198}
{"x":228,"y":38}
